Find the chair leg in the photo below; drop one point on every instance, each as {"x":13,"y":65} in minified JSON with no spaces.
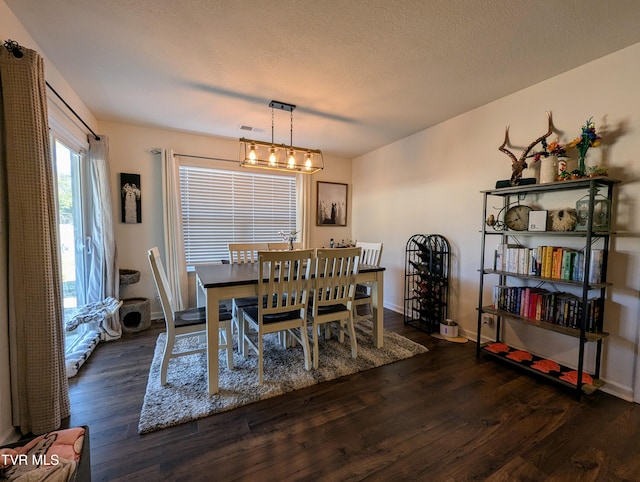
{"x":242,"y":347}
{"x":228,"y":330}
{"x":236,"y":319}
{"x":166,"y":356}
{"x":260,"y":360}
{"x":352,"y":336}
{"x":242,"y":341}
{"x":305,"y":347}
{"x":315,"y":331}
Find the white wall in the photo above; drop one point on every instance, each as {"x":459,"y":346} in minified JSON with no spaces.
{"x":130,"y":151}
{"x":430,"y":183}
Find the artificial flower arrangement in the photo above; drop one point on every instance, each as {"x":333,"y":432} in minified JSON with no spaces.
{"x":289,"y":237}
{"x":557,"y":149}
{"x":588,"y":138}
{"x":552,"y":149}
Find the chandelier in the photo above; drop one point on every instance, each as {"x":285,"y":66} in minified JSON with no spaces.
{"x":280,"y":157}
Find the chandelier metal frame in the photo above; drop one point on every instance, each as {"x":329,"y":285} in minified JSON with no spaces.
{"x":280,"y":157}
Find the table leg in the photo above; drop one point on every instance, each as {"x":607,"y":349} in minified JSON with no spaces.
{"x":213,"y":322}
{"x":377,"y":299}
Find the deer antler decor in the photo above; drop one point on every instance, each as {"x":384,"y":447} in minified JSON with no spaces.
{"x":519,"y":165}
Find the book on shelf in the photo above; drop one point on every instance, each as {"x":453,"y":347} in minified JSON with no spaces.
{"x":554,"y":262}
{"x":539,"y":304}
{"x":547,"y":261}
{"x":568,"y":261}
{"x":595,"y":266}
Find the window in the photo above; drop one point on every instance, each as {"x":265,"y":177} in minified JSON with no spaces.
{"x":221,"y":207}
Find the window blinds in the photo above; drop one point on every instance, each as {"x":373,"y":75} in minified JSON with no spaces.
{"x":221,"y":207}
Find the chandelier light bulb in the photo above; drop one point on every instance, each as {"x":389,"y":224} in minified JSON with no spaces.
{"x":307,"y":162}
{"x":252,"y":154}
{"x":272,"y":157}
{"x":292,"y":160}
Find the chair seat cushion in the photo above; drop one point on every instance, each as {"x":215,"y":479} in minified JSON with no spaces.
{"x":252,"y":313}
{"x":362,"y":291}
{"x":197,"y":316}
{"x":323,"y":310}
{"x":246,"y":301}
{"x":361,"y":296}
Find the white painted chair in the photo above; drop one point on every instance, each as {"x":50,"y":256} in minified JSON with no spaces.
{"x":371,"y":255}
{"x":185,"y":323}
{"x":240,"y":253}
{"x":332,"y":298}
{"x":284,"y":283}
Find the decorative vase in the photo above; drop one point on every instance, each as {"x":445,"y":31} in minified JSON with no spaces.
{"x":548,"y":169}
{"x":587,"y":162}
{"x":290,"y":244}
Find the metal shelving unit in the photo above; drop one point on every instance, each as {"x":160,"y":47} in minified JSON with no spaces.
{"x":583,"y":333}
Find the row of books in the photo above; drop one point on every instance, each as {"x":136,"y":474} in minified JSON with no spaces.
{"x":549,"y":262}
{"x":564,"y":309}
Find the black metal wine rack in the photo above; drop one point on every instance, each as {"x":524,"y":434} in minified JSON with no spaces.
{"x":426,"y":281}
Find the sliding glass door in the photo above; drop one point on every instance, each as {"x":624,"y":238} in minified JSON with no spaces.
{"x":68,"y":166}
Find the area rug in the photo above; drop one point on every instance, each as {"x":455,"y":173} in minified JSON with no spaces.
{"x":185,"y":396}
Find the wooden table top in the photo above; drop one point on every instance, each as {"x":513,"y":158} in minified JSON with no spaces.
{"x":221,"y":275}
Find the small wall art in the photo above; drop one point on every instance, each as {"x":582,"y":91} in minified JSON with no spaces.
{"x":130,"y":193}
{"x":332,"y":204}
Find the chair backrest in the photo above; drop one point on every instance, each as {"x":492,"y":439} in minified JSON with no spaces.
{"x":335,"y":272}
{"x":371,"y":253}
{"x":162,"y":284}
{"x":284,"y":279}
{"x":283,"y":246}
{"x":240,"y":253}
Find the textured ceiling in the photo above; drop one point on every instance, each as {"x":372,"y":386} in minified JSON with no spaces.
{"x":363,"y":73}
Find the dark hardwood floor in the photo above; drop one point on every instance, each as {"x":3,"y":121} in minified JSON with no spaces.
{"x":441,"y":416}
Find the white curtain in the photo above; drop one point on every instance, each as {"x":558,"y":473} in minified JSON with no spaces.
{"x":305,"y":209}
{"x":103,"y":278}
{"x":175,"y":261}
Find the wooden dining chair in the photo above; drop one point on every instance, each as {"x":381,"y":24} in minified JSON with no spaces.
{"x":371,"y":255}
{"x":185,"y":323}
{"x":332,"y":298}
{"x":240,"y":253}
{"x":283,"y":284}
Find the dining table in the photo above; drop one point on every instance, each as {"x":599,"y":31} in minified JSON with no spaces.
{"x":220,"y":282}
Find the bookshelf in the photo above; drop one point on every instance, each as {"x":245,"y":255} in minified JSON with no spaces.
{"x":550,"y":280}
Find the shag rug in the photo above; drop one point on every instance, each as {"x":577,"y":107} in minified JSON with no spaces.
{"x":185,"y":396}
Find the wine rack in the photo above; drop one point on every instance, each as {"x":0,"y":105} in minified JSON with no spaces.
{"x":426,"y":281}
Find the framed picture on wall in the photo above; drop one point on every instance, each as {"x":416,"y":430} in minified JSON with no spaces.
{"x":130,"y":194}
{"x":332,"y":204}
